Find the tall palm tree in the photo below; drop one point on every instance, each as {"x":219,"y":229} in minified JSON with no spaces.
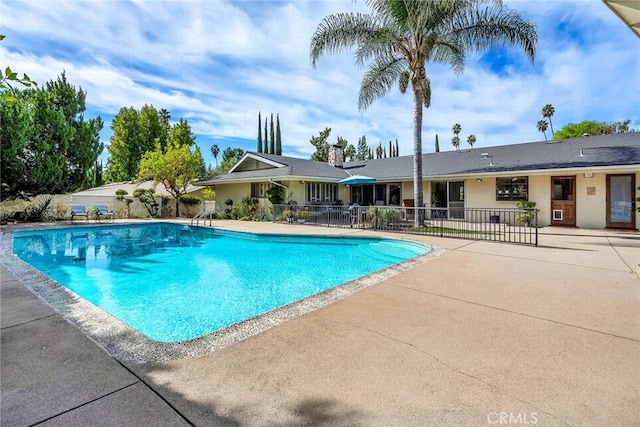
{"x":547,"y":112}
{"x":215,"y":150}
{"x":400,"y":36}
{"x":471,"y":139}
{"x":542,"y":127}
{"x":455,"y":141}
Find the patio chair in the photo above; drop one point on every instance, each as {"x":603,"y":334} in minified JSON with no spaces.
{"x":79,"y":211}
{"x":103,"y":212}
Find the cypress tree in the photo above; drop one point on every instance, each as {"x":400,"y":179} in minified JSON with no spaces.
{"x":259,"y":133}
{"x":266,"y":137}
{"x":272,"y":143}
{"x":397,"y":149}
{"x":390,"y":149}
{"x":278,"y":136}
{"x":437,"y":144}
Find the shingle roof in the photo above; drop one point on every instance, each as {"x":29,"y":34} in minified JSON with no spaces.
{"x":586,"y":152}
{"x":593,"y":151}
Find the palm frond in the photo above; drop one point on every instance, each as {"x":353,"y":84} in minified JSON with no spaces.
{"x":448,"y":50}
{"x":339,"y":32}
{"x":380,"y":78}
{"x":493,"y":27}
{"x":380,"y":42}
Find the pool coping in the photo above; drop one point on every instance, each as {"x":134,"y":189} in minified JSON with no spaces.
{"x":127,"y":344}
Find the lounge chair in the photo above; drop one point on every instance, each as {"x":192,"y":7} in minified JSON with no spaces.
{"x":103,"y":212}
{"x":79,"y":211}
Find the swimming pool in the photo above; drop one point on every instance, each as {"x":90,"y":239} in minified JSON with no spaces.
{"x":175,"y":283}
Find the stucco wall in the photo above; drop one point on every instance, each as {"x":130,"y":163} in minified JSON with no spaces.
{"x":591,"y":210}
{"x":235,"y":192}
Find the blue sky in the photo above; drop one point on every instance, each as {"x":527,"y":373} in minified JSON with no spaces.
{"x":217,"y":63}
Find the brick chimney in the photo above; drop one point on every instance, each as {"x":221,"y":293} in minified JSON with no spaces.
{"x":336,"y":157}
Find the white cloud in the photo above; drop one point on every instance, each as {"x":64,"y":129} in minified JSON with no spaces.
{"x":219,"y":63}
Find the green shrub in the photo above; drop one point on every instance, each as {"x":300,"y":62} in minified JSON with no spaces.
{"x":38,"y":209}
{"x":208,"y":194}
{"x":248,"y":208}
{"x":189,"y":200}
{"x":148,"y":199}
{"x":60,"y":211}
{"x":121,"y":197}
{"x":276,"y":195}
{"x":383,"y":218}
{"x":6,"y":214}
{"x":526,"y":217}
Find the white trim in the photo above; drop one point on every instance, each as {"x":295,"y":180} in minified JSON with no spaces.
{"x":256,"y":157}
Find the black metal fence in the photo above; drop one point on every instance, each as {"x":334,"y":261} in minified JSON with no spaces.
{"x":508,"y":225}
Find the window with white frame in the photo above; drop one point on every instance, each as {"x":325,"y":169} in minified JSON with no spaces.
{"x":320,"y":192}
{"x":259,"y":189}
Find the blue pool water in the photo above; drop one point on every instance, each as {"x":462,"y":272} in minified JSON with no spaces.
{"x":174,"y":283}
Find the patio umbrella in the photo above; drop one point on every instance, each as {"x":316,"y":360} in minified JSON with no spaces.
{"x":357,"y":179}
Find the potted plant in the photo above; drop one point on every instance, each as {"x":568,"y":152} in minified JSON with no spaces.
{"x":302,"y":216}
{"x":290,"y":215}
{"x":528,"y":214}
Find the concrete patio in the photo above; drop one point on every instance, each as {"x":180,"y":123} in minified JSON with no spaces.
{"x":485,"y":334}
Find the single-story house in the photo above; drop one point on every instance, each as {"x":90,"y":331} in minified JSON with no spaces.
{"x":588,"y":182}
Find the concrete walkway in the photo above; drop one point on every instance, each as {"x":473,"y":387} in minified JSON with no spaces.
{"x":486,"y":334}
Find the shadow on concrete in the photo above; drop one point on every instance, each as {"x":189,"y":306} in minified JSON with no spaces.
{"x":305,"y":412}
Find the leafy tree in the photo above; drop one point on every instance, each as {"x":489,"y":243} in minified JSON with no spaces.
{"x":14,"y":132}
{"x":401,"y":36}
{"x":547,"y":112}
{"x":259,"y":135}
{"x":621,"y":127}
{"x":46,"y":144}
{"x":542,"y":127}
{"x":176,"y":168}
{"x":7,"y":92}
{"x":471,"y":139}
{"x":278,"y":136}
{"x":121,"y":196}
{"x":437,"y":144}
{"x":230,"y":157}
{"x":363,"y":150}
{"x":349,"y":152}
{"x":321,"y":142}
{"x":97,"y":175}
{"x":134,"y":133}
{"x":165,"y":126}
{"x":148,"y":199}
{"x":215,"y":150}
{"x":379,"y":151}
{"x":180,"y":134}
{"x":590,"y":127}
